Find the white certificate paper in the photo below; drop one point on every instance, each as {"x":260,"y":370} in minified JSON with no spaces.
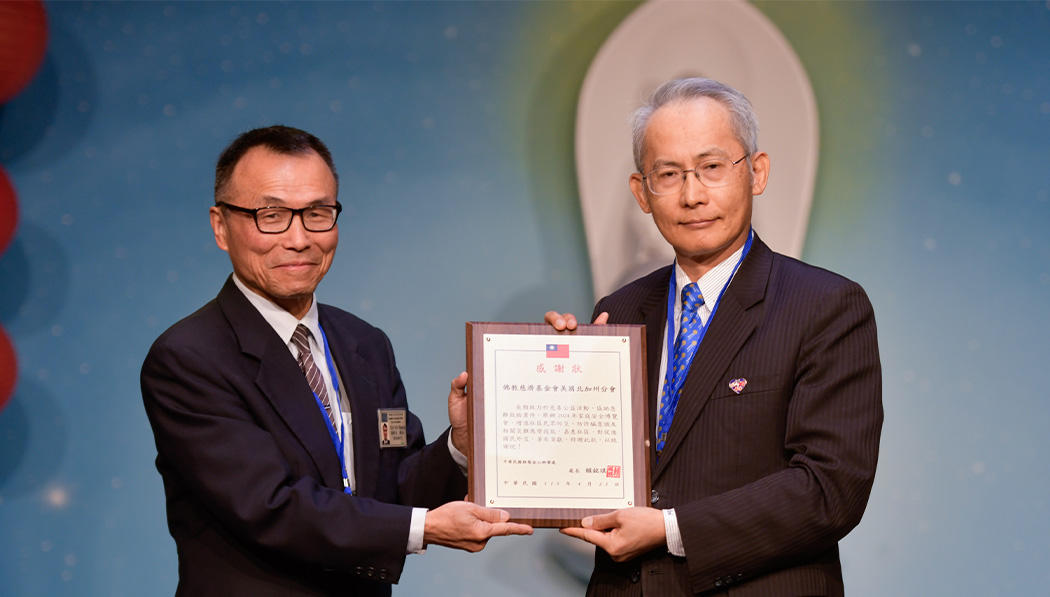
{"x":558,"y":421}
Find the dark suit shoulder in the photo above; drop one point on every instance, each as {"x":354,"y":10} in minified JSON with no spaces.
{"x":622,"y":305}
{"x":645,"y":284}
{"x":808,"y":281}
{"x":346,"y":320}
{"x":206,"y":328}
{"x":352,"y":331}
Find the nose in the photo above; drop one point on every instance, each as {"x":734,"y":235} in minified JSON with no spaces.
{"x":694,"y":192}
{"x":297,"y":237}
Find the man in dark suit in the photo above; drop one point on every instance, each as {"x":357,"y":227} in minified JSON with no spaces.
{"x":764,"y":377}
{"x":266,"y":408}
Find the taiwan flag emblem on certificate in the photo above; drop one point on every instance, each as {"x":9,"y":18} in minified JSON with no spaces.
{"x":557,"y":351}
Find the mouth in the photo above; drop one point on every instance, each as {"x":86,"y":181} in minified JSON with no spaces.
{"x":696,"y":223}
{"x":295,"y":266}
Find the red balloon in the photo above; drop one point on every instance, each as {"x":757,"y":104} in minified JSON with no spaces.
{"x":8,"y":211}
{"x":23,"y":40}
{"x":8,"y":369}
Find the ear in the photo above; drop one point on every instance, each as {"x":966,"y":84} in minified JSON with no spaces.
{"x":218,"y":226}
{"x":759,"y":172}
{"x":638,"y":190}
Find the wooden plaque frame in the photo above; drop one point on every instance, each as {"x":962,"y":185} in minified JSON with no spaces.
{"x":635,"y":464}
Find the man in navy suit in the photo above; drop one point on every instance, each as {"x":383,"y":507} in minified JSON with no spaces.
{"x":266,"y":408}
{"x":764,"y":378}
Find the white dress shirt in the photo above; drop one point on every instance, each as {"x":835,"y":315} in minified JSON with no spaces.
{"x":710,"y":285}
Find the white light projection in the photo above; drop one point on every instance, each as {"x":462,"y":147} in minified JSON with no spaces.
{"x":730,"y":41}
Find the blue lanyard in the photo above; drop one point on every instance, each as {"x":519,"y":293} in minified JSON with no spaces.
{"x":672,"y":298}
{"x":337,"y":438}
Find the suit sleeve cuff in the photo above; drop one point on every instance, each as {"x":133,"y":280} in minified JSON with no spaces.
{"x":415,"y":531}
{"x":675,"y":546}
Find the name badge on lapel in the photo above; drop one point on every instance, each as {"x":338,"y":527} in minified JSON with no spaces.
{"x":393,"y":428}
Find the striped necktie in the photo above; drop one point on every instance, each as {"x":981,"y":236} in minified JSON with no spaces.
{"x":301,"y":339}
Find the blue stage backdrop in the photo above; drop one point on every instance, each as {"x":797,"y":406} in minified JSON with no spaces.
{"x":452,"y":124}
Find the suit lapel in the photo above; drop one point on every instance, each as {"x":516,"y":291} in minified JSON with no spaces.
{"x":733,"y":324}
{"x":357,"y":386}
{"x":654,"y":316}
{"x":281,"y":381}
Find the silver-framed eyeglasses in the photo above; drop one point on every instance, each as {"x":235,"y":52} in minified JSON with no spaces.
{"x":712,"y":172}
{"x":275,"y":220}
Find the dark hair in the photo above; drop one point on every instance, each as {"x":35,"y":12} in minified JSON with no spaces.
{"x":279,"y":139}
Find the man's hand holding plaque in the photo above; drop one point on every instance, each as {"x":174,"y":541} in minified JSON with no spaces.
{"x":623,"y":534}
{"x":558,"y":419}
{"x":567,"y":321}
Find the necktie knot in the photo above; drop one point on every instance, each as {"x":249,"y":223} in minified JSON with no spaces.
{"x":692,"y":298}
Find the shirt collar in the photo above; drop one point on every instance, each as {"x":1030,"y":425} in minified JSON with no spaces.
{"x":282,"y":322}
{"x":711,"y":283}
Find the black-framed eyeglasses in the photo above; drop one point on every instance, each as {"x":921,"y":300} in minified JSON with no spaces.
{"x":275,"y":220}
{"x":712,"y":172}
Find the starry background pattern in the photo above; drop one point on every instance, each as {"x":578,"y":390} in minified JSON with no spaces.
{"x":451,"y":125}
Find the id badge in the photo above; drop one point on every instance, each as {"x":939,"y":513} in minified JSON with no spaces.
{"x":393,"y":428}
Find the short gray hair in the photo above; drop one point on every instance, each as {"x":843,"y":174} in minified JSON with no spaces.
{"x":741,"y":114}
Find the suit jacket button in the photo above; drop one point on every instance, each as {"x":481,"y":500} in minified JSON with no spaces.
{"x":382,"y":575}
{"x":635,"y":576}
{"x":371,"y":572}
{"x":654,"y":496}
{"x":718,"y":582}
{"x":359,"y":571}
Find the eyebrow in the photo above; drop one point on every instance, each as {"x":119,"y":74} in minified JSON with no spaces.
{"x":271,"y":201}
{"x":699,"y":157}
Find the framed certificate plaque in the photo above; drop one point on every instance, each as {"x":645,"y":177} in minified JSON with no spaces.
{"x":558,"y":420}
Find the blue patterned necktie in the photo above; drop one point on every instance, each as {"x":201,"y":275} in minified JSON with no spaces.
{"x":685,"y":346}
